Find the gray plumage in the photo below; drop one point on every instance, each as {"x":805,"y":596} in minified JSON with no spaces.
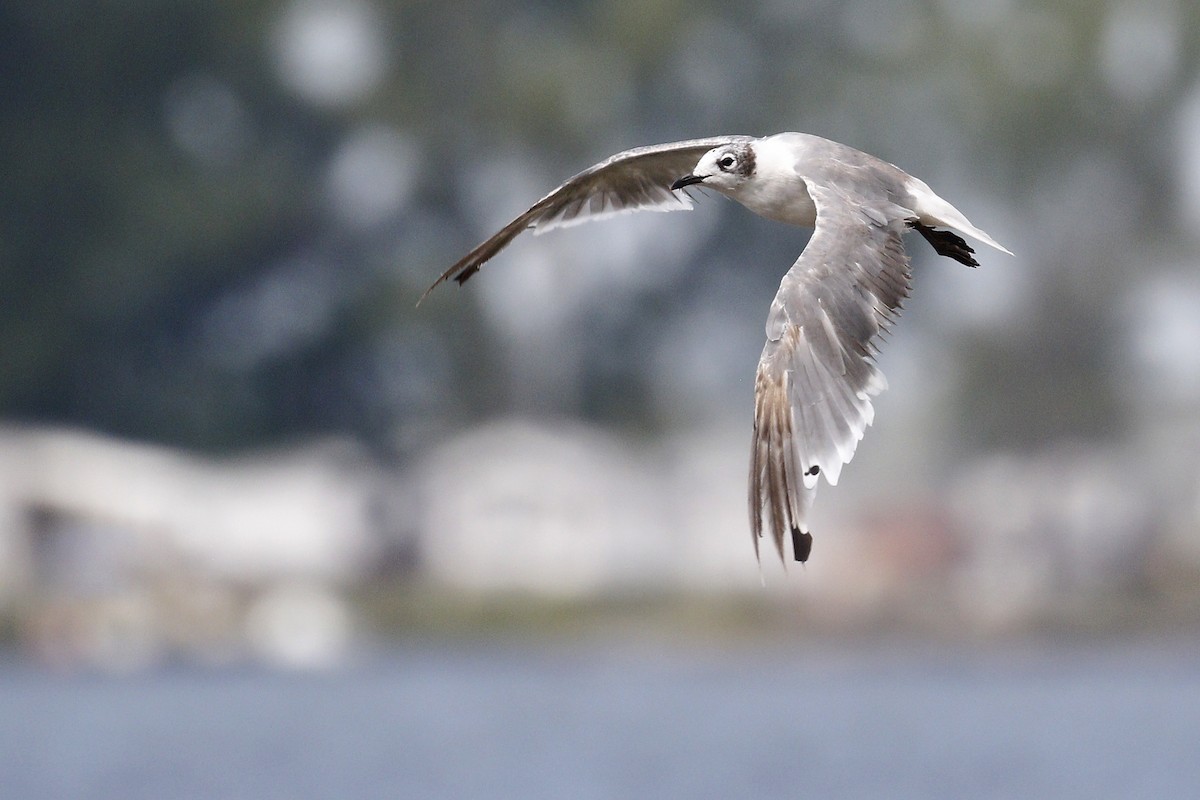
{"x":816,"y":376}
{"x":635,"y":179}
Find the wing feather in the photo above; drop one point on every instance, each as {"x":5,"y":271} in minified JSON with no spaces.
{"x":816,"y":375}
{"x":631,"y":180}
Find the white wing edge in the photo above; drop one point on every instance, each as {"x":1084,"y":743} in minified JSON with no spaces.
{"x":679,"y":201}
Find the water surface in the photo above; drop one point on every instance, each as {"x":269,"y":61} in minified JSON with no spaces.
{"x":601,"y":720}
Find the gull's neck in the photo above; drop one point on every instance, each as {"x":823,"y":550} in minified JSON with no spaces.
{"x":776,"y":190}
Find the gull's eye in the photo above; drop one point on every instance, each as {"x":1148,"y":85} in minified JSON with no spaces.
{"x":726,"y":162}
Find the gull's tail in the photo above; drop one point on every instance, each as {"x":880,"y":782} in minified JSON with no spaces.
{"x":933,"y":210}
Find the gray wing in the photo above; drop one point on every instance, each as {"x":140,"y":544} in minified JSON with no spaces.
{"x":635,"y":179}
{"x":816,"y":376}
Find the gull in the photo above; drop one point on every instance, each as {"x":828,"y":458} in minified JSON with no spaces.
{"x":817,"y":374}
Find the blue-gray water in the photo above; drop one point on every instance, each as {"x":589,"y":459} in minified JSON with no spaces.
{"x":496,"y":720}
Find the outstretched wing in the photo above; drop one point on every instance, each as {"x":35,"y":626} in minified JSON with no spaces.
{"x":816,"y":375}
{"x":635,"y":179}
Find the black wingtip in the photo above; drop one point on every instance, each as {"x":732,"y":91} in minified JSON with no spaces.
{"x":801,"y":544}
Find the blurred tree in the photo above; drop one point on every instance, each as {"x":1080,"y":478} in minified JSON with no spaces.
{"x":114,"y":235}
{"x":217,"y":216}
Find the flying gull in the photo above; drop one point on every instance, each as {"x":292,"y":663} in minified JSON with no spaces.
{"x":816,"y":376}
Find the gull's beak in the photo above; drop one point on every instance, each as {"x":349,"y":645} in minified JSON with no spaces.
{"x":686,"y":180}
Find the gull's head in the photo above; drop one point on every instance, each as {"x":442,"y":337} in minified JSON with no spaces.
{"x":726,"y":168}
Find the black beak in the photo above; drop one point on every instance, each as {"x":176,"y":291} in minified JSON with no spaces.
{"x":686,"y":180}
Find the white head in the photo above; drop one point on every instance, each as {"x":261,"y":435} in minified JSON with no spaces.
{"x":726,"y":168}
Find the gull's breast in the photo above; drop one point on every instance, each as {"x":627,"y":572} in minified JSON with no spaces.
{"x":783,"y":198}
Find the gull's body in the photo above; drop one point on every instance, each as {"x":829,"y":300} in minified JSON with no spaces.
{"x":816,"y":375}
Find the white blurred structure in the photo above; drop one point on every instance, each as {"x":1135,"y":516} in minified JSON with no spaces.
{"x":1068,"y":523}
{"x":122,"y":555}
{"x":151,"y":549}
{"x":567,"y":510}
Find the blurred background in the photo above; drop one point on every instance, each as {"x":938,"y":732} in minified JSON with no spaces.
{"x":252,"y":497}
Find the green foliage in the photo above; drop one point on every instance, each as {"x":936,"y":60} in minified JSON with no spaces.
{"x":132,"y":253}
